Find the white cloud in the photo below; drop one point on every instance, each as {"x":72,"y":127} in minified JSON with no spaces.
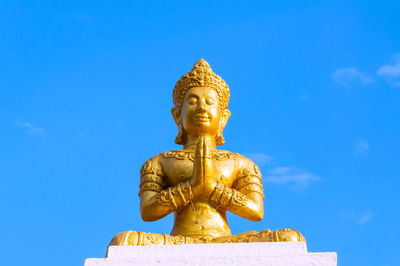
{"x":295,"y":177}
{"x":390,"y":70}
{"x":361,"y":146}
{"x":349,"y":76}
{"x":391,"y":73}
{"x":358,"y":216}
{"x":260,"y":158}
{"x":30,"y":128}
{"x":364,"y":217}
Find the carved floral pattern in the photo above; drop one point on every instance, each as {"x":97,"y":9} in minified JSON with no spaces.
{"x":189,"y":155}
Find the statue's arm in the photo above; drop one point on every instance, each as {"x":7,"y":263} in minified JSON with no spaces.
{"x":157,"y":199}
{"x":245,"y":198}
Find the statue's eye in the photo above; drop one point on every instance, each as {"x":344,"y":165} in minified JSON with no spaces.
{"x":210,"y":101}
{"x":192,"y":101}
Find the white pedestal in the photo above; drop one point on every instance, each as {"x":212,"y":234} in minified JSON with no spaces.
{"x":267,"y":253}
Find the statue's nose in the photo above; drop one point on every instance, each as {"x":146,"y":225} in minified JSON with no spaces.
{"x":201,"y":107}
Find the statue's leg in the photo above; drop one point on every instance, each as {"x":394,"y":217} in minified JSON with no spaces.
{"x":282,"y":235}
{"x":132,"y":238}
{"x":285,"y":235}
{"x":239,"y":238}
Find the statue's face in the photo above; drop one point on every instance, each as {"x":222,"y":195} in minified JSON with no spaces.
{"x":201,"y":111}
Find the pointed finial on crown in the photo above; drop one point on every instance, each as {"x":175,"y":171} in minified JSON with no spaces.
{"x":201,"y":75}
{"x":202,"y":65}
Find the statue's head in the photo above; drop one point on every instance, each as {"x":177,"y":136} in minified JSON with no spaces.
{"x":201,"y":104}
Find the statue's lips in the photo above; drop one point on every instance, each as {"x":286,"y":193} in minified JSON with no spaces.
{"x":202,"y":118}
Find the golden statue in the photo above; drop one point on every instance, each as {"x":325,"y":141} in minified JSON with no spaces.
{"x":199,"y":183}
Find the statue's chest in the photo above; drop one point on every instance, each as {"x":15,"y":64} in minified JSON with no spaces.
{"x":179,"y":170}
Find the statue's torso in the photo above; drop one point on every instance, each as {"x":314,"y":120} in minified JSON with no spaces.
{"x":199,"y":218}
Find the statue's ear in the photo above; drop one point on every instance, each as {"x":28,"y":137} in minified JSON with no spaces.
{"x":225,"y":116}
{"x":219,"y":138}
{"x":176,"y":114}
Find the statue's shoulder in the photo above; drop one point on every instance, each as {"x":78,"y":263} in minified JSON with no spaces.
{"x":153,"y":160}
{"x":246,"y":166}
{"x":151,"y":166}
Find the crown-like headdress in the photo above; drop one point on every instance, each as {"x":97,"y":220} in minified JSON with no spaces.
{"x":201,"y":76}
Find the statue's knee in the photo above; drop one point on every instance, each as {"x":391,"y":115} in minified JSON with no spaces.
{"x":287,"y":235}
{"x":127,"y":238}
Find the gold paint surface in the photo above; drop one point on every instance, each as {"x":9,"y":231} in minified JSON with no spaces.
{"x":200,"y":183}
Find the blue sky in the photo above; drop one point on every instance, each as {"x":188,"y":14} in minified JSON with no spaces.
{"x":85,"y":99}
